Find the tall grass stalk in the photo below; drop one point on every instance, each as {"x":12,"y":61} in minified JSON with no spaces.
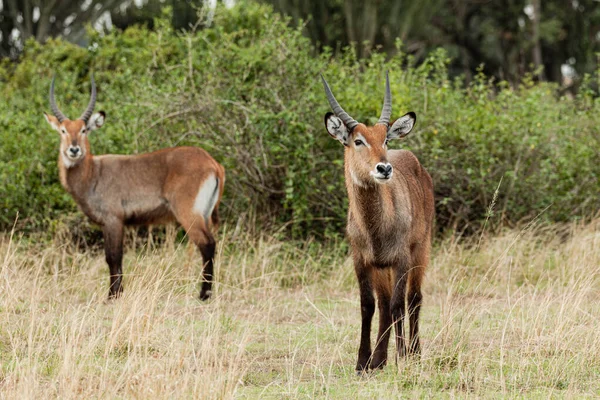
{"x":285,"y":321}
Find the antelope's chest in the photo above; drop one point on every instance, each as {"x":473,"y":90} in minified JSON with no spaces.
{"x":380,"y":238}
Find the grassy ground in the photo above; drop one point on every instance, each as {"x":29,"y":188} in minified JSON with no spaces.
{"x":516,"y":315}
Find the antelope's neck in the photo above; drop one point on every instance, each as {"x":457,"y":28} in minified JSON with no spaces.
{"x":77,"y":179}
{"x":372,"y":202}
{"x":375,"y":208}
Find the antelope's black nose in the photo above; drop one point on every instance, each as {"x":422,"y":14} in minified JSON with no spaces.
{"x":384,"y":169}
{"x":74,"y":150}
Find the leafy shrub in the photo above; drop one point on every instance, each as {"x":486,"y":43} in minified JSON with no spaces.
{"x":247,"y":90}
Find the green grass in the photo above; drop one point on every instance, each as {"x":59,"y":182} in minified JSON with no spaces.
{"x":516,"y":316}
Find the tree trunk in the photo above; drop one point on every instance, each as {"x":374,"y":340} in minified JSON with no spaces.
{"x":537,"y":48}
{"x":361,"y":23}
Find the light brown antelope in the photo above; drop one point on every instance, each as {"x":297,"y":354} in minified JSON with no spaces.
{"x":182,"y":184}
{"x":389,"y":226}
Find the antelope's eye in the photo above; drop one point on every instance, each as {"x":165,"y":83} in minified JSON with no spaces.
{"x":386,"y":142}
{"x":358,"y":143}
{"x":63,"y":130}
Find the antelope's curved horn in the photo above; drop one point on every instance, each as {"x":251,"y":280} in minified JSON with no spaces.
{"x":337,"y":109}
{"x":386,"y":111}
{"x":60,"y":116}
{"x":90,"y":108}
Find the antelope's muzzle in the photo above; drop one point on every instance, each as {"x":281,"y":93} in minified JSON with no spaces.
{"x":383,"y":172}
{"x":74,"y":151}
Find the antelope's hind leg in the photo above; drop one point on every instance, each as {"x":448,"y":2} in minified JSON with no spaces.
{"x":195,"y":211}
{"x":399,"y":307}
{"x":113,"y":250}
{"x":207,"y":248}
{"x":420,"y":258}
{"x":199,"y":233}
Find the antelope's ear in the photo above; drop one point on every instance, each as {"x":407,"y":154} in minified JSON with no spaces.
{"x":96,"y":121}
{"x":336,"y":128}
{"x":53,"y":121}
{"x":402,"y":126}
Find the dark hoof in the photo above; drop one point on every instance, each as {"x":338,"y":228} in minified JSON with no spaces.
{"x":205,"y":295}
{"x":361,"y":373}
{"x":362,"y":370}
{"x":362,"y":365}
{"x":113,"y":295}
{"x":378,"y":364}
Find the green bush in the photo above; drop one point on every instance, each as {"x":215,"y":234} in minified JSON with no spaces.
{"x":247,"y":90}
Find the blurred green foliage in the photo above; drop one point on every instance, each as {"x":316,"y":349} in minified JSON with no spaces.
{"x":247,"y":90}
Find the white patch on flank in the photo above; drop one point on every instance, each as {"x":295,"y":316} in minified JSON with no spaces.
{"x":207,"y":197}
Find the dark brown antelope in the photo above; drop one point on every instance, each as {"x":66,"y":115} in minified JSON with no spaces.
{"x":182,"y":184}
{"x":390,"y":219}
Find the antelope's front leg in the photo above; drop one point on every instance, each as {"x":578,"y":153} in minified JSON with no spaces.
{"x":367,"y":309}
{"x":385,"y":325}
{"x":113,"y":250}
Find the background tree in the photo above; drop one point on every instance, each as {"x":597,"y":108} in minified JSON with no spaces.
{"x":185,"y":13}
{"x":41,"y":19}
{"x":507,"y":37}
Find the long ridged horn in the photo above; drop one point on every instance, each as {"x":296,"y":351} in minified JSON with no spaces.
{"x":60,"y":116}
{"x":90,"y":108}
{"x":337,"y":109}
{"x":386,"y":111}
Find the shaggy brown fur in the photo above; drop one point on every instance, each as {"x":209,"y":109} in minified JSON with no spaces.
{"x":152,"y":188}
{"x":389,"y":228}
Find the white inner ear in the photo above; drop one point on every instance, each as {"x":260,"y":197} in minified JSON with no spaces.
{"x":337,"y":129}
{"x":96,"y":121}
{"x":52,"y":124}
{"x":401,"y":127}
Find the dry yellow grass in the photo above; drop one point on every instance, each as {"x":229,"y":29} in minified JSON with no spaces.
{"x":515,"y":316}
